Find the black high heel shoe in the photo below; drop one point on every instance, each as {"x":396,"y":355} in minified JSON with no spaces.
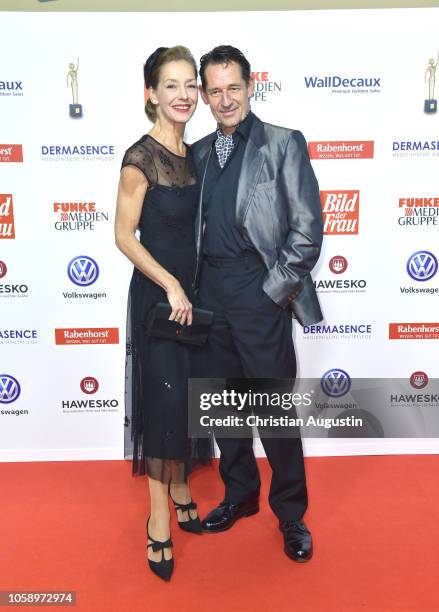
{"x":192,"y":525}
{"x":164,"y":568}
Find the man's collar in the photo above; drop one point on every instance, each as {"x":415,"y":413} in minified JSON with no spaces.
{"x":243,"y":128}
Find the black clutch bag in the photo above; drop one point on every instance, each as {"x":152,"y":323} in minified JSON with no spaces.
{"x":157,"y":325}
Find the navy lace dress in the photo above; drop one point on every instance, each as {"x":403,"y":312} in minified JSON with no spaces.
{"x":157,"y":370}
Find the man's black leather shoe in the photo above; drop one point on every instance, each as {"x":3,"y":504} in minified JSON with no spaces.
{"x":298,"y":540}
{"x":225,"y":515}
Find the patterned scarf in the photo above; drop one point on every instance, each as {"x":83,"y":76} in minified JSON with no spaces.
{"x":224,"y":146}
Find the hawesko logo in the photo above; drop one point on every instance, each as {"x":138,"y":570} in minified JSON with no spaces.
{"x":9,"y":389}
{"x":335,"y":382}
{"x":414,"y":331}
{"x":11,"y":153}
{"x":83,"y":271}
{"x":7,"y":225}
{"x":354,"y":285}
{"x":89,"y":385}
{"x":419,"y":380}
{"x":340,"y":212}
{"x":339,"y":149}
{"x":338,"y":264}
{"x":87,"y":335}
{"x":11,"y":290}
{"x":422,"y":266}
{"x":419,"y":211}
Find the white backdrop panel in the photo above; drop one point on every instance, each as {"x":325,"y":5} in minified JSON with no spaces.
{"x":53,"y":418}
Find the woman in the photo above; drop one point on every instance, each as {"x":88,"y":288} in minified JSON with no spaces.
{"x":158,"y":194}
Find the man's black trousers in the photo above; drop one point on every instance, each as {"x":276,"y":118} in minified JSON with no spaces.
{"x":251,"y":337}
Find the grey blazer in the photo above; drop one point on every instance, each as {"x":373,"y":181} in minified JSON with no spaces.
{"x":278,"y":210}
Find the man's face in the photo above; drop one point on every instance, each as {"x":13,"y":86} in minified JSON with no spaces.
{"x":227,"y":94}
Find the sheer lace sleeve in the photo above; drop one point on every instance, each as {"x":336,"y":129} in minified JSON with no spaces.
{"x":139,"y":156}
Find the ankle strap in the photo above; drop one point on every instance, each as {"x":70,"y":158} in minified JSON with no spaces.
{"x":185,"y":507}
{"x":156,"y":546}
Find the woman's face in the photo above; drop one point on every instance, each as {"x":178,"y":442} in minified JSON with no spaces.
{"x":177,"y":92}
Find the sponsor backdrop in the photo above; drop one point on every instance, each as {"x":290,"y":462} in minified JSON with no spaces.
{"x":361,"y":87}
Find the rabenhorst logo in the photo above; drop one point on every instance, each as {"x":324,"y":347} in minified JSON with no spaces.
{"x":18,"y":336}
{"x":340,"y":212}
{"x":7,"y":224}
{"x":77,"y":216}
{"x":342,"y":331}
{"x":11,"y":153}
{"x":413,"y":331}
{"x":418,"y":211}
{"x":338,"y":265}
{"x":83,"y":152}
{"x":341,"y":149}
{"x":11,"y":88}
{"x":415,"y":148}
{"x":361,"y":84}
{"x":83,"y":271}
{"x":89,"y":386}
{"x":14,"y":289}
{"x":87,"y":335}
{"x":264,"y":86}
{"x":421,"y":267}
{"x":419,"y":380}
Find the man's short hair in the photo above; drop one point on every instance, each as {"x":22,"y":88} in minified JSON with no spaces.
{"x":224,"y":54}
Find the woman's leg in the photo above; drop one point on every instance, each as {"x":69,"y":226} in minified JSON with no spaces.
{"x":180,"y":491}
{"x":159,"y":527}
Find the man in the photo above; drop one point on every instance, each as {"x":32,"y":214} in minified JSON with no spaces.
{"x":259,"y":233}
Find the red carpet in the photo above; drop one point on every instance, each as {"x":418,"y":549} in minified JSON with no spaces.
{"x":81,"y":526}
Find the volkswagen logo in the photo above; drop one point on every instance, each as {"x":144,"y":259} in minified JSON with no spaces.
{"x":83,"y":270}
{"x":422,"y":265}
{"x":335,"y":382}
{"x":9,"y":389}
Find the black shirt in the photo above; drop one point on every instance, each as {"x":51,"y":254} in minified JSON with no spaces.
{"x":221,"y":237}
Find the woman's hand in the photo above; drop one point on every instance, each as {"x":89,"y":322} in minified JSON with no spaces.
{"x":181,"y":307}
